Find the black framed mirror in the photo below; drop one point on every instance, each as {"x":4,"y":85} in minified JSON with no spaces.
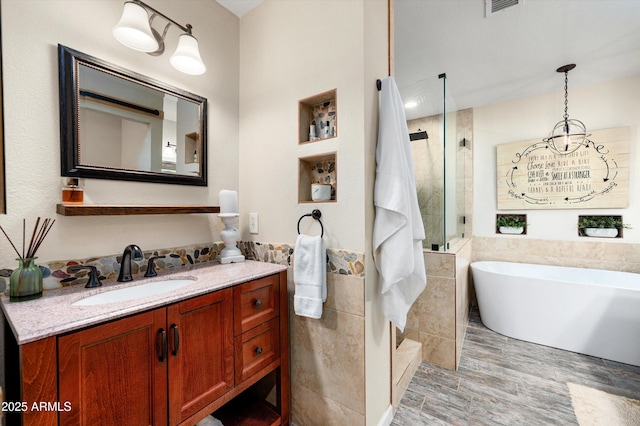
{"x":117,"y":124}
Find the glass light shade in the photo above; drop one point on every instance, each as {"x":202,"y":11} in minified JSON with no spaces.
{"x":567,"y":136}
{"x":187,"y":56}
{"x":134,"y":30}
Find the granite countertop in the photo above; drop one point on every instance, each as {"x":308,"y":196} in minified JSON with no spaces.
{"x":54,"y":314}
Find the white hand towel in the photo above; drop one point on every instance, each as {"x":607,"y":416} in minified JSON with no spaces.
{"x":309,"y":276}
{"x":397,"y":230}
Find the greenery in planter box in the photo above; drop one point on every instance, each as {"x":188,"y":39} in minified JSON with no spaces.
{"x":601,"y":222}
{"x":510,"y":222}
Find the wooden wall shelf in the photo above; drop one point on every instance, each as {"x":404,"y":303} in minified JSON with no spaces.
{"x":113,"y":210}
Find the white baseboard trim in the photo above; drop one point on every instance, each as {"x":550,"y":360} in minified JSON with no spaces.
{"x":387,"y":417}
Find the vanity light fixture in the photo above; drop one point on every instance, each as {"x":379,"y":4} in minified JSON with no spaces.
{"x":568,"y":134}
{"x":135,"y":31}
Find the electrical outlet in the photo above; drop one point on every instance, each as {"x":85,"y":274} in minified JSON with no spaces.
{"x":253,"y":223}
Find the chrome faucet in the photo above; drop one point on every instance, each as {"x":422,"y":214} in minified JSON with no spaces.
{"x":125,"y":263}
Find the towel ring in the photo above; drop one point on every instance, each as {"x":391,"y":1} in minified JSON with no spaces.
{"x":316,"y":214}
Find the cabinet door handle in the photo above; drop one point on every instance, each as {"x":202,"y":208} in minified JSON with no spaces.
{"x":259,"y":350}
{"x":162,"y":334}
{"x":176,"y":340}
{"x":257,"y":303}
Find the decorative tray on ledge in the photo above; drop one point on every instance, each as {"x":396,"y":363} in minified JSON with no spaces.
{"x":112,"y":210}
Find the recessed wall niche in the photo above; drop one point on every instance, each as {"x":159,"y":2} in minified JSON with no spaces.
{"x":513,"y":224}
{"x":318,"y":169}
{"x":318,"y":117}
{"x":601,"y":226}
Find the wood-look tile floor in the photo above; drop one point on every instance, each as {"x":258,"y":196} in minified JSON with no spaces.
{"x":504,"y":381}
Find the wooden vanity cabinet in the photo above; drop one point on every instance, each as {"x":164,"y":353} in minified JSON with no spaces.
{"x":171,"y":365}
{"x":123,"y":372}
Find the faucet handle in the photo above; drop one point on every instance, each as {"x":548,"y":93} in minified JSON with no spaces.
{"x":94,"y":280}
{"x":151,"y":266}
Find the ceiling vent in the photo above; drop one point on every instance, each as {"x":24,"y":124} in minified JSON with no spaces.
{"x":495,"y":6}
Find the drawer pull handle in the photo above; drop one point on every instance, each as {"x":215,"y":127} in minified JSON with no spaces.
{"x":257,"y":303}
{"x":176,"y":340}
{"x":163,"y":345}
{"x":259,"y":350}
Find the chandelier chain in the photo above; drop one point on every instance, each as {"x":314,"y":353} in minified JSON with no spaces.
{"x":566,"y":95}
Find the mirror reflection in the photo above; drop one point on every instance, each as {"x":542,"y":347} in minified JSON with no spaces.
{"x":120,"y":125}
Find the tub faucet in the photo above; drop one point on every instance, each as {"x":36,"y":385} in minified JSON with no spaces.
{"x":125,"y":264}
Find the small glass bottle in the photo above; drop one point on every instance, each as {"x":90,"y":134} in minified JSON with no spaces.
{"x":72,"y":192}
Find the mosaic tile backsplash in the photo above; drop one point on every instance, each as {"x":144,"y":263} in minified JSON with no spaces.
{"x":55,"y":274}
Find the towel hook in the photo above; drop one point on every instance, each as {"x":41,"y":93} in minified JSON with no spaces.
{"x":316,"y":214}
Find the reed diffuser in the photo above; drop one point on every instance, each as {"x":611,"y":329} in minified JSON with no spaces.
{"x":25,"y":282}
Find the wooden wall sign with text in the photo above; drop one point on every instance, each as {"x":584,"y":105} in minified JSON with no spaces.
{"x":533,"y":175}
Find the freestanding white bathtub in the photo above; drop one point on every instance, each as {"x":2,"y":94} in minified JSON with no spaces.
{"x":590,"y":311}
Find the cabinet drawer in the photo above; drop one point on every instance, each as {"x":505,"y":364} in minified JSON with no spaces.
{"x":256,"y":349}
{"x":254,"y":303}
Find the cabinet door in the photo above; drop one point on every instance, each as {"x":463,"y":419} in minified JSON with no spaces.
{"x":112,"y":374}
{"x":200,"y":353}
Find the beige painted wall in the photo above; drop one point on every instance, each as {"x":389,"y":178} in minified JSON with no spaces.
{"x":604,"y":105}
{"x":31,"y":31}
{"x":291,"y":51}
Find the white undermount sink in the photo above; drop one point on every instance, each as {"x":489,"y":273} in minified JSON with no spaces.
{"x":135,"y":292}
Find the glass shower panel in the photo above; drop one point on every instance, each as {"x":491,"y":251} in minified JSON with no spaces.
{"x":439,"y":158}
{"x":428,"y":154}
{"x":454,"y":166}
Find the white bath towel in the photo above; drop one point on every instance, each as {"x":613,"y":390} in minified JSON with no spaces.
{"x":398,"y":230}
{"x":309,"y":276}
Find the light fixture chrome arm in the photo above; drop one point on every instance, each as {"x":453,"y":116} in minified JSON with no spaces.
{"x":186,"y":29}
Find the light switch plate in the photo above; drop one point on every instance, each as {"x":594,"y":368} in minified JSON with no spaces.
{"x":253,"y":223}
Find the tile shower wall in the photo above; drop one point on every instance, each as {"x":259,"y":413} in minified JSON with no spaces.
{"x":438,"y":319}
{"x":428,"y":161}
{"x":464,"y":172}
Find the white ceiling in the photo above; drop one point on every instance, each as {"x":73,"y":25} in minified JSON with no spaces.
{"x":511,"y":54}
{"x":239,"y":7}
{"x":508,"y":55}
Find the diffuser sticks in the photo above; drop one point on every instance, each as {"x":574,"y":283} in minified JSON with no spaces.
{"x":37,"y":237}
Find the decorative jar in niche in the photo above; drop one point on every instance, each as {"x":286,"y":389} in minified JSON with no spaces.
{"x":320,"y":192}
